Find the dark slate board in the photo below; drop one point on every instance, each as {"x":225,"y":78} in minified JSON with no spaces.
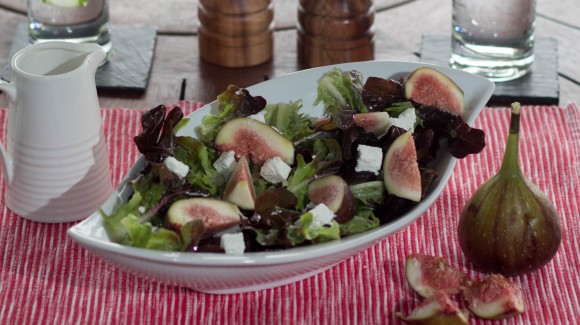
{"x":540,"y":87}
{"x":129,"y":63}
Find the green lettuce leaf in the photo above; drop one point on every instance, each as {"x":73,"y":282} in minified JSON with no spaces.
{"x":113,"y":224}
{"x":327,"y":152}
{"x":138,"y":233}
{"x":364,"y":220}
{"x":164,"y":240}
{"x":397,"y":108}
{"x":286,"y":118}
{"x":267,"y":237}
{"x":340,"y":90}
{"x":199,"y":158}
{"x":369,"y":193}
{"x":299,"y":180}
{"x":302,"y":231}
{"x":211,"y":124}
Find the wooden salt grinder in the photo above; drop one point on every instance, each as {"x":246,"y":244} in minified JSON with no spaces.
{"x":236,"y":33}
{"x":335,"y":31}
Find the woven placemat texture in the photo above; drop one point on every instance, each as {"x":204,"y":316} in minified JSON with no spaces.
{"x":47,"y":278}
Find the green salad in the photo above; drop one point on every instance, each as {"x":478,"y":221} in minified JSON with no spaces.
{"x":268,"y":176}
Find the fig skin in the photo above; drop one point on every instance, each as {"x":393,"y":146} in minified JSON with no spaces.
{"x":509,"y":226}
{"x":334,"y":192}
{"x":514,"y":240}
{"x":376,"y":123}
{"x":438,"y":309}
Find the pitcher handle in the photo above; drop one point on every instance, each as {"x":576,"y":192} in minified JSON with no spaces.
{"x":10,"y":91}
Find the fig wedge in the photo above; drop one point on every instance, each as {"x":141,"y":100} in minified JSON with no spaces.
{"x":334,"y":192}
{"x":216,"y":214}
{"x":401,"y":170}
{"x":429,"y":274}
{"x":256,"y":140}
{"x":438,"y":309}
{"x":430,"y":87}
{"x":240,"y":187}
{"x":376,"y":123}
{"x":494,"y":298}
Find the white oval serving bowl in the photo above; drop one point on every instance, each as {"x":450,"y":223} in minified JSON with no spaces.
{"x":221,"y":273}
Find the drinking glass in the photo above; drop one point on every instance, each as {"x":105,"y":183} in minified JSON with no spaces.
{"x":493,"y":38}
{"x":79,"y":21}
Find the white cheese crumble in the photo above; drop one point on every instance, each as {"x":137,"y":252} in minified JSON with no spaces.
{"x":258,"y":116}
{"x":275,"y":170}
{"x":233,"y":243}
{"x":406,"y":120}
{"x":226,"y":163}
{"x":177,"y":167}
{"x":369,"y":159}
{"x":321,"y":216}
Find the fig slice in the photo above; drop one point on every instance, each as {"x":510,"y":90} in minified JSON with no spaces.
{"x":256,"y":140}
{"x":334,"y":192}
{"x":401,"y":170}
{"x":216,"y":214}
{"x":430,"y":87}
{"x":429,"y":274}
{"x":438,"y":309}
{"x":376,"y":123}
{"x":240,"y":188}
{"x":494,"y":298}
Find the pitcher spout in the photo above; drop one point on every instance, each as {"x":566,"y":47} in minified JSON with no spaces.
{"x":97,"y":55}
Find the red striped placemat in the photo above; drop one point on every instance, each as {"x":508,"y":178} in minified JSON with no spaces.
{"x":46,"y":278}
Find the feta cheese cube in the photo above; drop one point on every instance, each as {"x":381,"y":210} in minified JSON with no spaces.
{"x":406,"y":120}
{"x":321,"y":216}
{"x":369,"y":159}
{"x":275,"y":170}
{"x":226,"y":163}
{"x":233,"y":243}
{"x":177,"y":167}
{"x":258,"y":116}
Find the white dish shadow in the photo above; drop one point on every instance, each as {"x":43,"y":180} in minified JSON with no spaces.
{"x":221,"y":273}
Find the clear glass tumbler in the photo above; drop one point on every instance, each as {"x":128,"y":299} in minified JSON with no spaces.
{"x":493,"y":38}
{"x":80,"y":21}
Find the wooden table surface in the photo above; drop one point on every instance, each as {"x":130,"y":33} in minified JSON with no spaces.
{"x":399,"y":27}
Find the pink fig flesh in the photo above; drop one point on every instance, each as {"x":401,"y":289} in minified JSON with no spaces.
{"x":430,"y":87}
{"x":240,"y":187}
{"x":494,"y":298}
{"x":429,"y":274}
{"x":334,"y":192}
{"x":376,"y":123}
{"x":438,"y":309}
{"x":216,"y":214}
{"x":400,"y":169}
{"x":255,"y":140}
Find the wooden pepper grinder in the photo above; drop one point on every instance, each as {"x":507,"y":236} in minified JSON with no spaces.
{"x":335,"y":31}
{"x":236,"y":33}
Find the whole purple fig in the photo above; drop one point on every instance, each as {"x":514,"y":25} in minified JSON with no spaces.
{"x":509,"y":226}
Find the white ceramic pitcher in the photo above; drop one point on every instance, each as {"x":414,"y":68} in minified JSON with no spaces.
{"x":55,"y":164}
